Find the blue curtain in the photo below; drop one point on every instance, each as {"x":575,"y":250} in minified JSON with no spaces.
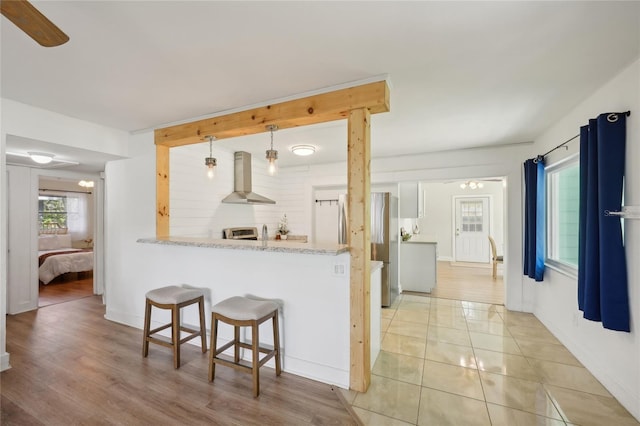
{"x":534,"y":218}
{"x":602,"y":268}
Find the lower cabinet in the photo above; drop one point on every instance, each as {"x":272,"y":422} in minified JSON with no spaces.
{"x":418,"y":266}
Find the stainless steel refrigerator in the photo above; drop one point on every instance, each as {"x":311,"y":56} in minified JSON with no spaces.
{"x":384,"y":238}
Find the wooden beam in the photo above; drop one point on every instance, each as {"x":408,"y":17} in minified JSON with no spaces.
{"x":315,"y":109}
{"x":359,"y":207}
{"x":162,"y":191}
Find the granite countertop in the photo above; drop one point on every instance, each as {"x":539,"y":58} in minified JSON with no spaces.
{"x":412,"y":241}
{"x":271,"y":245}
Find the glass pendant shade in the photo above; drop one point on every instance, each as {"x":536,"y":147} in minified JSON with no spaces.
{"x":272,"y":154}
{"x":210,"y":161}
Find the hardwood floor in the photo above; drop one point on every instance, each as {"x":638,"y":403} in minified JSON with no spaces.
{"x":66,"y":288}
{"x":71,"y":366}
{"x":468,"y":282}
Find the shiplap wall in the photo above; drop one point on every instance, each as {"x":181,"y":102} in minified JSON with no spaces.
{"x":195,"y":200}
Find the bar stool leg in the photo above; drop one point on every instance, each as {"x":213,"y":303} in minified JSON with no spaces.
{"x":203,"y":327}
{"x":175,"y":335}
{"x":236,"y":344}
{"x":214,"y":347}
{"x":276,"y":342}
{"x":256,"y":357}
{"x":147,"y":326}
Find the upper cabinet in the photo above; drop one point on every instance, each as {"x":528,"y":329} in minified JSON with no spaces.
{"x":411,"y":200}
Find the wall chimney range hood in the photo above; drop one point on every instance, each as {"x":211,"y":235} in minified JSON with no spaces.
{"x":242,"y":193}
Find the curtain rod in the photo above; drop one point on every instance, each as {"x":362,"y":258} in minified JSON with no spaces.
{"x":63,"y":190}
{"x":627,"y":113}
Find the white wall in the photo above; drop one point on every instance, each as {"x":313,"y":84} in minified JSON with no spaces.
{"x":22,"y":273}
{"x":4,"y":355}
{"x":613,"y":357}
{"x":195,"y":200}
{"x":35,"y":123}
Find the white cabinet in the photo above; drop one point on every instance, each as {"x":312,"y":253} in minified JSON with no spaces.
{"x":418,"y":266}
{"x":411,"y":200}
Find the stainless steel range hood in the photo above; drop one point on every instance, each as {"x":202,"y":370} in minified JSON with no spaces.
{"x":242,"y":193}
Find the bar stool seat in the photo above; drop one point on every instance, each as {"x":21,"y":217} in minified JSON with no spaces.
{"x":244,"y":312}
{"x":173,"y":298}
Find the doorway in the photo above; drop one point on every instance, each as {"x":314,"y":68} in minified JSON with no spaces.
{"x":472,"y":221}
{"x":463,"y":268}
{"x":66,"y":232}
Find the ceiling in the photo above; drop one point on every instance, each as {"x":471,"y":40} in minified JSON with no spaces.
{"x":462,"y":74}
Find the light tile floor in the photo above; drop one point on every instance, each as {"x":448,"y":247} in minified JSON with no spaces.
{"x":451,"y":362}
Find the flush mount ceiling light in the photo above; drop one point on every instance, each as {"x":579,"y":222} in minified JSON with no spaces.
{"x":272,"y":154}
{"x":303,"y":150}
{"x":471,"y":184}
{"x":41,"y":157}
{"x":210,"y":161}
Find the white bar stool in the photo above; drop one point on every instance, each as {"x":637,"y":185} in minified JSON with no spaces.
{"x":173,"y":298}
{"x":244,"y":312}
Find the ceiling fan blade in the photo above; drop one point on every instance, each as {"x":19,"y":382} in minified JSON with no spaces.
{"x":33,"y":23}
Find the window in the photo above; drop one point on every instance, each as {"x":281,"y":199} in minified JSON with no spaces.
{"x":471,"y":215}
{"x":52,"y":213}
{"x":563,"y":206}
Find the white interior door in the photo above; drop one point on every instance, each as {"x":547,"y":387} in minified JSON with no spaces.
{"x":472,"y":229}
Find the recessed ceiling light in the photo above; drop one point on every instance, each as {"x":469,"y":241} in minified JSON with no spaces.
{"x":41,"y":157}
{"x":303,"y":149}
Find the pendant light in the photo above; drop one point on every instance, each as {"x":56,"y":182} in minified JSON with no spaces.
{"x":210,"y":161}
{"x":272,"y":154}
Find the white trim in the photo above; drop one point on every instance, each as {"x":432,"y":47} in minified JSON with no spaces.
{"x":4,"y":361}
{"x":551,"y":202}
{"x":561,"y":268}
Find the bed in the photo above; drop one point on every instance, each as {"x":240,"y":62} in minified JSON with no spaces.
{"x":56,"y":257}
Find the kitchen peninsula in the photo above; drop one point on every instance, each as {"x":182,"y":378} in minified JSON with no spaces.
{"x":310,"y":281}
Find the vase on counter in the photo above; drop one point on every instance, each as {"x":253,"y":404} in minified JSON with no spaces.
{"x":283,"y":236}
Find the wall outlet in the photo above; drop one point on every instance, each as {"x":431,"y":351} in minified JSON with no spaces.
{"x":339,"y":269}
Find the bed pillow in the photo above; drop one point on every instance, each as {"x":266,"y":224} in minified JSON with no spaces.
{"x":47,"y":242}
{"x":64,"y":241}
{"x":54,"y":242}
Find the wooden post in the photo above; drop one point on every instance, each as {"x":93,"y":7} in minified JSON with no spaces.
{"x":162,"y":191}
{"x":359,"y":206}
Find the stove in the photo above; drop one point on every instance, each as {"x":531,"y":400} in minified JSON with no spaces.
{"x":240,"y":233}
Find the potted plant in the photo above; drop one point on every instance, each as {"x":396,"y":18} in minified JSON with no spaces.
{"x":283,"y":227}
